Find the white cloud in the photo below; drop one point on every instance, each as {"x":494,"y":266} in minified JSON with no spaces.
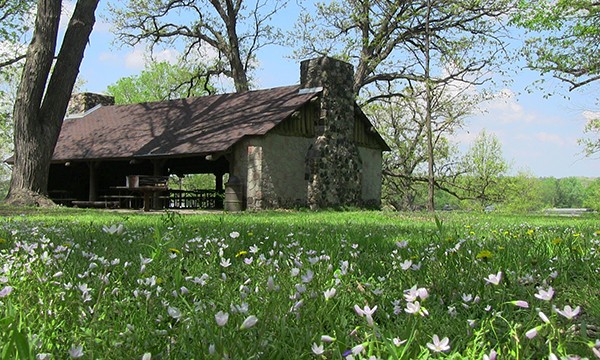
{"x":139,"y":57}
{"x":554,"y":139}
{"x":108,"y":57}
{"x":505,"y":108}
{"x":135,"y":59}
{"x":465,"y":138}
{"x":591,"y":115}
{"x":168,"y":55}
{"x":522,"y":137}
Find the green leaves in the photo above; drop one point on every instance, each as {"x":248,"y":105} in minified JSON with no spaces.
{"x":565,"y":39}
{"x":14,"y":342}
{"x":484,"y":167}
{"x":15,"y":21}
{"x":161,"y":81}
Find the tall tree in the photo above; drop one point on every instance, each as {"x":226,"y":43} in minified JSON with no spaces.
{"x":484,"y":168}
{"x":159,"y":81}
{"x":385,"y":39}
{"x":402,"y":122}
{"x":592,"y":195}
{"x":570,"y":193}
{"x":398,"y":45}
{"x":428,"y":108}
{"x":228,"y":30}
{"x":43,"y":95}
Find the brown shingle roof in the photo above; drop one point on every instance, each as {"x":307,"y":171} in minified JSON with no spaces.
{"x":200,"y":125}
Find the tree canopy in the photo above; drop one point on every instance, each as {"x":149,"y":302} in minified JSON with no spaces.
{"x":568,"y":44}
{"x":427,"y":50}
{"x":15,"y":22}
{"x":159,"y":81}
{"x":229,"y":32}
{"x":564,"y":42}
{"x":386,"y":39}
{"x":484,"y":167}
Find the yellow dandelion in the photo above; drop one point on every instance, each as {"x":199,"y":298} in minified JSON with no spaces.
{"x":500,"y":248}
{"x":576,"y":235}
{"x":241,"y":253}
{"x":530,"y":232}
{"x":159,"y":280}
{"x":484,"y":255}
{"x":174,"y":251}
{"x":597,"y":233}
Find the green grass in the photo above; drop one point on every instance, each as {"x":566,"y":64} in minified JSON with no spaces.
{"x":156,"y":287}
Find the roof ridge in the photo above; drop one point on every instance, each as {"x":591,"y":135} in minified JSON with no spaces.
{"x":207,"y":96}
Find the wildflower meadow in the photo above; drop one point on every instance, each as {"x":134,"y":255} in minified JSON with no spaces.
{"x":298,"y":285}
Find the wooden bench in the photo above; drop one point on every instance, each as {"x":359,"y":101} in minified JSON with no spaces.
{"x":124,"y":201}
{"x":96,"y":204}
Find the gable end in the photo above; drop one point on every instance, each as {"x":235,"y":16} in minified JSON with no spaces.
{"x":301,"y":123}
{"x":365,"y":134}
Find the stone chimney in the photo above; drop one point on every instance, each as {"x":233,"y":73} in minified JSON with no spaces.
{"x":82,"y":102}
{"x":333,"y":161}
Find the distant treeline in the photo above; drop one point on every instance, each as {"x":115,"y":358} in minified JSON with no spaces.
{"x":520,"y":193}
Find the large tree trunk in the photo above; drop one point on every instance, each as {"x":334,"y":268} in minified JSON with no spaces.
{"x":39,"y":109}
{"x":238,"y":71}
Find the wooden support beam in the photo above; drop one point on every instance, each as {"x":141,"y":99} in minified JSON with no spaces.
{"x":93,"y":181}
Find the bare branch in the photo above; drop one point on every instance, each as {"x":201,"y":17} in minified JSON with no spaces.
{"x":12,"y":61}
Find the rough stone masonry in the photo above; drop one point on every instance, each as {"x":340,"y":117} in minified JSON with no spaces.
{"x":333,"y":159}
{"x":82,"y":102}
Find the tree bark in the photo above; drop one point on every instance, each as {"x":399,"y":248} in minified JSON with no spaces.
{"x":238,"y":72}
{"x":41,"y":104}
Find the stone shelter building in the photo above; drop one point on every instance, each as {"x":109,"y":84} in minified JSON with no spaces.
{"x":306,"y":145}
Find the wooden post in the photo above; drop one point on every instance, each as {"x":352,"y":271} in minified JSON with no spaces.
{"x":157,"y":170}
{"x":219,"y":189}
{"x":93,"y":183}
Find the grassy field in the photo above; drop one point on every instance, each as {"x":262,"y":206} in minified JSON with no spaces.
{"x":295,"y":285}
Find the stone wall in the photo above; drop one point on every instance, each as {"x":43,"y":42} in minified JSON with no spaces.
{"x":288,"y":168}
{"x":333,"y":159}
{"x":272,"y":170}
{"x":371,"y":176}
{"x":83,"y":102}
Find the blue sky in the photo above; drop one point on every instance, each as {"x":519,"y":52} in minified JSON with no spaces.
{"x":538,"y":134}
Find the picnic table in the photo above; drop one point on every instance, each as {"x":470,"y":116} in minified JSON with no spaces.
{"x":147,"y":186}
